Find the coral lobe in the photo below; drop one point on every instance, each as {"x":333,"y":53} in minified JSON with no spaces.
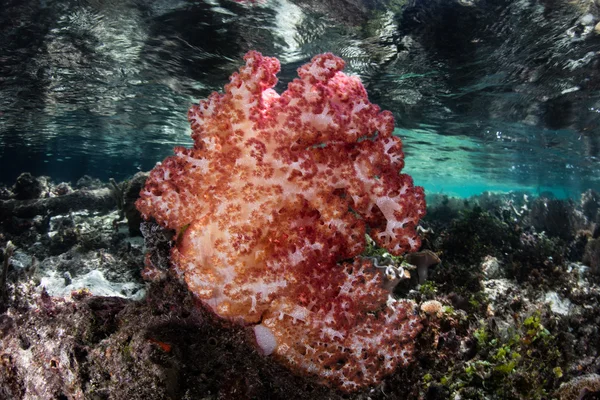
{"x":276,"y":193}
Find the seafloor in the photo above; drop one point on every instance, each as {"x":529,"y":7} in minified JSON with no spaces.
{"x":510,"y":312}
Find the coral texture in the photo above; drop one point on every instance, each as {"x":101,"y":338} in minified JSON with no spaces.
{"x":271,"y":202}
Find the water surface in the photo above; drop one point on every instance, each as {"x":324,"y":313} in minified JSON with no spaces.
{"x":487,"y":95}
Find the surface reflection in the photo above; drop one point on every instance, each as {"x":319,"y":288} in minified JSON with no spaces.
{"x":505,"y":93}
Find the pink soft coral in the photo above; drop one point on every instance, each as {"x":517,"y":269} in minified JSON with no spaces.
{"x":277,"y":191}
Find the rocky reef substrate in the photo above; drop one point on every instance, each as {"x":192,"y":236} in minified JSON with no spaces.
{"x":508,"y":287}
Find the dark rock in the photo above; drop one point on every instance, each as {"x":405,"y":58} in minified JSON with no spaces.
{"x":27,"y":187}
{"x":555,"y":217}
{"x":5,"y":193}
{"x":590,"y":205}
{"x":158,"y":242}
{"x":61,"y":189}
{"x":87,"y":182}
{"x":436,"y":392}
{"x":161,"y":348}
{"x":591,"y":256}
{"x":130,"y":195}
{"x":64,"y":239}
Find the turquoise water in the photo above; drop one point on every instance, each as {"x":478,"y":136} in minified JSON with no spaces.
{"x":461,"y":166}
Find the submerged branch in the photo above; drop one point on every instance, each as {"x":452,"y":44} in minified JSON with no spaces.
{"x":98,"y":200}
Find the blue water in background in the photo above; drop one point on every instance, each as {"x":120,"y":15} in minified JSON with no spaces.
{"x":488,"y":96}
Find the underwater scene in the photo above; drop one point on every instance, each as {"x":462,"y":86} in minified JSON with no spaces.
{"x":299,"y":199}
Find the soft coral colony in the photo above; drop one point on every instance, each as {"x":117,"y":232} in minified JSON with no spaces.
{"x":271,"y":205}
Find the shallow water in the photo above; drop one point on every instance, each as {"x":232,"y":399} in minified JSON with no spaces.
{"x":487,"y":95}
